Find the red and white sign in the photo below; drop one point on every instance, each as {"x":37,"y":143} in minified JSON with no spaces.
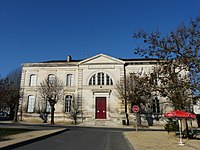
{"x":135,"y":108}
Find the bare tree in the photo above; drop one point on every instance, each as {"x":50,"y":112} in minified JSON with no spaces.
{"x":180,"y":52}
{"x":172,"y":82}
{"x":42,"y":108}
{"x":10,"y":93}
{"x":74,"y":109}
{"x":136,"y":91}
{"x":51,"y":91}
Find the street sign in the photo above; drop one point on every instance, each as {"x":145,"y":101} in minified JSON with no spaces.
{"x":135,"y":108}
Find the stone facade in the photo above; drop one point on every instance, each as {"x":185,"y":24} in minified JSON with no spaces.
{"x":90,"y":81}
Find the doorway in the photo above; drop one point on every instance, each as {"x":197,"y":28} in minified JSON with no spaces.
{"x":100,"y":108}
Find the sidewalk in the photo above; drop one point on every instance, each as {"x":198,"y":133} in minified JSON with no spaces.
{"x":157,"y":140}
{"x":39,"y":133}
{"x":152,"y":138}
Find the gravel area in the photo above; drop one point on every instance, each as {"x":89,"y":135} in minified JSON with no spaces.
{"x":160,"y":140}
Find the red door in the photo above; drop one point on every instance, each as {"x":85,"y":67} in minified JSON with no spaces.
{"x":100,"y":108}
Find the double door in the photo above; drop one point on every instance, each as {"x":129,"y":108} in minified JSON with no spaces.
{"x":100,"y":107}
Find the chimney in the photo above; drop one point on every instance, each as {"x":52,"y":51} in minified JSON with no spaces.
{"x":69,"y":58}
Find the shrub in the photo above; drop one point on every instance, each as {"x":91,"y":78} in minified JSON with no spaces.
{"x":171,"y":126}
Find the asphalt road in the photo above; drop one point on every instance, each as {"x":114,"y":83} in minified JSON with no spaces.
{"x":82,"y":139}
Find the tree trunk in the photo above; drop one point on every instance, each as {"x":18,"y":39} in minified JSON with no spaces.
{"x":75,"y":119}
{"x":138,"y":118}
{"x":149,"y":119}
{"x":15,"y":119}
{"x":52,"y":114}
{"x":12,"y":113}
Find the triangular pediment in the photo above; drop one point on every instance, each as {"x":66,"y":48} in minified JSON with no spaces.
{"x":101,"y":59}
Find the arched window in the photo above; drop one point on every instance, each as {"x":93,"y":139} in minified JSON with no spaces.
{"x":51,"y":79}
{"x":32,"y":80}
{"x":31,"y":103}
{"x":92,"y":80}
{"x":69,"y":80}
{"x":68,"y":100}
{"x":100,"y":79}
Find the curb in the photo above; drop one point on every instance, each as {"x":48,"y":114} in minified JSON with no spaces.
{"x":16,"y":145}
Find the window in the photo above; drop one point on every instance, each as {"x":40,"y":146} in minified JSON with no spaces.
{"x":48,"y":107}
{"x":31,"y":103}
{"x":92,"y":80}
{"x":156,"y":106}
{"x":68,"y":101}
{"x":69,"y":80}
{"x":32,"y":80}
{"x":154,"y":79}
{"x":51,"y":79}
{"x":100,"y":79}
{"x":108,"y":80}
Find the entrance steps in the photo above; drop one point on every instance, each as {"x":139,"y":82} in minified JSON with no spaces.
{"x":99,"y":123}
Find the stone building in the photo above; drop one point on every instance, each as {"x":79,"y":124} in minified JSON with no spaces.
{"x":90,"y":81}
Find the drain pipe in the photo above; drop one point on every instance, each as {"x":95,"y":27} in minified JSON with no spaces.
{"x":127,"y":120}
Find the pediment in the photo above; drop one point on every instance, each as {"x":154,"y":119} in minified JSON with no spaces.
{"x":101,"y":59}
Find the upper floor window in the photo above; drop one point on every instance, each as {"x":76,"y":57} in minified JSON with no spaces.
{"x":100,"y":79}
{"x":32,"y":80}
{"x":31,"y":103}
{"x":69,"y":80}
{"x":51,"y":78}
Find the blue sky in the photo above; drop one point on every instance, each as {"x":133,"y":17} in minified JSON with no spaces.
{"x":41,"y":30}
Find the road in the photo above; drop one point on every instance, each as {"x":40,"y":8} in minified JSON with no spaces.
{"x":83,"y":139}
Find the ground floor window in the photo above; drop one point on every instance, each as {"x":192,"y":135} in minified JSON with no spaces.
{"x":156,"y":105}
{"x":31,"y":103}
{"x":68,"y":100}
{"x":48,"y":107}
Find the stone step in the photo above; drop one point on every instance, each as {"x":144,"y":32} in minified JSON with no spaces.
{"x":100,"y":123}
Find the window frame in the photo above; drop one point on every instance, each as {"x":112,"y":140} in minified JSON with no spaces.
{"x":69,"y":79}
{"x":31,"y":104}
{"x":51,"y":79}
{"x":156,"y":105}
{"x":68,"y":102}
{"x":32,"y":81}
{"x":100,"y":78}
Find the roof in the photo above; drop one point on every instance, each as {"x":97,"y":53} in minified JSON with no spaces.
{"x":123,"y":59}
{"x":60,"y":61}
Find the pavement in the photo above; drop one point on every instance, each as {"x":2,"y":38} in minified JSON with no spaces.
{"x":154,"y":138}
{"x":157,"y":140}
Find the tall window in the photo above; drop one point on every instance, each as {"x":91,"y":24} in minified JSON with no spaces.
{"x":31,"y":103}
{"x":48,"y":107}
{"x":32,"y":80}
{"x":69,"y":80}
{"x":68,"y":101}
{"x":156,"y":105}
{"x":51,"y":78}
{"x":100,"y":79}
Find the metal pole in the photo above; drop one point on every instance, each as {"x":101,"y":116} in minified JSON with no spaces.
{"x":180,"y":140}
{"x":136,"y":122}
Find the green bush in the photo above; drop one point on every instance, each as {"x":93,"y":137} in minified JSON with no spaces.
{"x":171,"y":126}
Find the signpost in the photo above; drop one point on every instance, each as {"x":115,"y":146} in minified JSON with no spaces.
{"x":136,"y":109}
